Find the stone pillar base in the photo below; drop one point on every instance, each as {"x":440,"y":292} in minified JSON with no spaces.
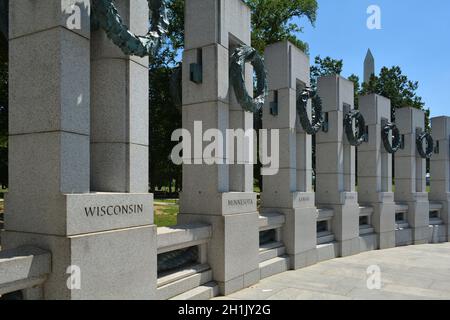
{"x":445,"y":212}
{"x":239,"y":283}
{"x":111,"y":265}
{"x":445,"y":216}
{"x":386,"y":240}
{"x":419,"y":217}
{"x":233,"y":251}
{"x":345,"y":224}
{"x":420,"y":235}
{"x":304,"y":259}
{"x":349,"y":247}
{"x":299,"y":233}
{"x":383,"y":220}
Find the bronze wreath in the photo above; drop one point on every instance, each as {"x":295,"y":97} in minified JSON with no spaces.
{"x":425,"y":136}
{"x":396,"y":140}
{"x":240,"y":56}
{"x":107,"y":17}
{"x":355,"y":139}
{"x":311,"y":127}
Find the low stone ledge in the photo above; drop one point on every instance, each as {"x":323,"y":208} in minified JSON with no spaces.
{"x":23,"y":268}
{"x":324,"y":214}
{"x":401,"y":208}
{"x":436,"y":206}
{"x":268,"y":221}
{"x":182,"y":236}
{"x":365,"y":211}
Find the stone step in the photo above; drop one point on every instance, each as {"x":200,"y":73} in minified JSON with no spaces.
{"x":167,"y":278}
{"x":184,"y":285}
{"x":271,"y":250}
{"x":436,"y":222}
{"x":327,"y":251}
{"x":325,"y":237}
{"x":403,"y":237}
{"x":274,"y":266}
{"x":204,"y":292}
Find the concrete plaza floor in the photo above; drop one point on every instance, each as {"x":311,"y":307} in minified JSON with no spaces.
{"x":414,"y":272}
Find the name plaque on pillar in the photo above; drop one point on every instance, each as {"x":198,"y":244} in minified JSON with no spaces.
{"x":420,"y":197}
{"x":238,"y":202}
{"x":303,"y":199}
{"x":98,"y":212}
{"x":386,"y":197}
{"x":349,"y":197}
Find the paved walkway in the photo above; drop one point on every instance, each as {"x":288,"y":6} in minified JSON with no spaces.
{"x":415,"y":272}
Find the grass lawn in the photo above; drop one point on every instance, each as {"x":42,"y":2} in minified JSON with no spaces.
{"x":167,"y":201}
{"x":166,"y":215}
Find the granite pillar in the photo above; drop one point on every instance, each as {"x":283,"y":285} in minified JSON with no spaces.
{"x":375,"y":169}
{"x":440,"y":168}
{"x":335,"y":164}
{"x":220,"y":193}
{"x":410,"y":173}
{"x":290,"y":190}
{"x":103,"y":245}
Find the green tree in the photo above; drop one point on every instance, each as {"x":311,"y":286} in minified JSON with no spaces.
{"x":393,"y":84}
{"x":357,"y":88}
{"x":165,"y":118}
{"x":272,"y":21}
{"x":324,"y":67}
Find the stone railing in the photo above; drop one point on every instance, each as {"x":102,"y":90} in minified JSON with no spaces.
{"x":437,"y":232}
{"x":182,"y":261}
{"x":435,"y":213}
{"x":183,"y":236}
{"x":401,"y":221}
{"x":365,"y":221}
{"x":324,"y":226}
{"x":270,"y":225}
{"x":24,"y":270}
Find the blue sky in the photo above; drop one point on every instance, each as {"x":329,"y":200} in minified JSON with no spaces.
{"x":415,"y":35}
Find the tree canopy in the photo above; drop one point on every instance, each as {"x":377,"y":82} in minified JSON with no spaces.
{"x":393,"y":84}
{"x":272,"y":21}
{"x":390,"y":83}
{"x":324,"y":67}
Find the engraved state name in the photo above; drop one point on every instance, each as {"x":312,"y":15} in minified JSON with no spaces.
{"x":240,"y":202}
{"x":114,"y":210}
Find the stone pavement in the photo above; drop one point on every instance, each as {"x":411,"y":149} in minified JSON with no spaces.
{"x":414,"y":272}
